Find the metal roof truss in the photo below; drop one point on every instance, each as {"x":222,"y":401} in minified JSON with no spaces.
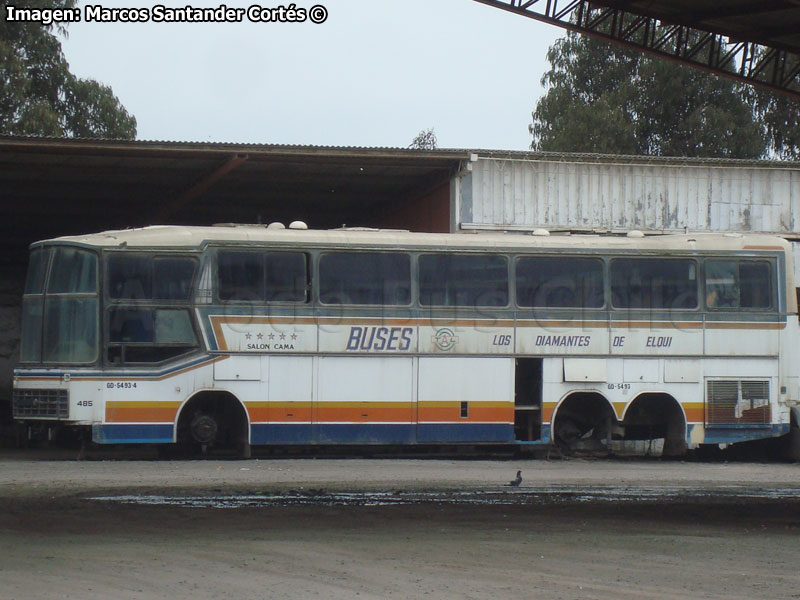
{"x":772,"y":67}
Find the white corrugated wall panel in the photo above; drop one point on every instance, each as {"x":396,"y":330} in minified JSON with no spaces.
{"x":796,"y":260}
{"x":559,"y":194}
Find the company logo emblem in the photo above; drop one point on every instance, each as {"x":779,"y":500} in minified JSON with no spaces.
{"x":445,"y":339}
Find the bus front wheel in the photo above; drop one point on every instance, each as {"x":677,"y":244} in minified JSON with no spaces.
{"x":203,"y":429}
{"x":214,"y":420}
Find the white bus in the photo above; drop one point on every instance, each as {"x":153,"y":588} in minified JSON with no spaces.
{"x":237,"y":335}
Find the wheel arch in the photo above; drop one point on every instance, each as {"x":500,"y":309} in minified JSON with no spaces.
{"x":663,"y":415}
{"x":205,"y":398}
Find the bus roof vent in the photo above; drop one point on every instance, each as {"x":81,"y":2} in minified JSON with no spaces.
{"x":541,"y":232}
{"x":298,"y":225}
{"x":276,"y":225}
{"x":635,"y":233}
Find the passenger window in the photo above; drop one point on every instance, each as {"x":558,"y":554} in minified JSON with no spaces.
{"x":755,"y":289}
{"x":240,"y":276}
{"x":145,"y":277}
{"x":286,"y":277}
{"x":148,"y":335}
{"x":130,"y":277}
{"x":173,"y":278}
{"x":131,"y":325}
{"x":732,"y":284}
{"x":173,"y":327}
{"x":259,"y":276}
{"x":653,"y":283}
{"x":463,"y":280}
{"x":722,"y":284}
{"x":560,"y":282}
{"x":365,"y":278}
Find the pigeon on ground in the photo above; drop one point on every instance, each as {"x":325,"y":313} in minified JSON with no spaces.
{"x":517,"y":480}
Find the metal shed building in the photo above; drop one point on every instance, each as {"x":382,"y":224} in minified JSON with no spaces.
{"x":614,"y":194}
{"x":57,"y":187}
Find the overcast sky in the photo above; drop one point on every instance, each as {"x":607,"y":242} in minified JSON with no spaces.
{"x":375,"y":73}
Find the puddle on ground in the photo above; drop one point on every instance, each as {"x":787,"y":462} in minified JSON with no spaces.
{"x":471,"y":498}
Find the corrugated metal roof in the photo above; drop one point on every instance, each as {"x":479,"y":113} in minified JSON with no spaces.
{"x":6,"y":140}
{"x":585,"y":157}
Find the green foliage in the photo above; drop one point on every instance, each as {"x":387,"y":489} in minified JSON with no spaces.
{"x":781,"y":118}
{"x":39,"y":95}
{"x":601,"y":98}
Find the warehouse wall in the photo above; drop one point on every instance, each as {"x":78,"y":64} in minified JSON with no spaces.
{"x":664,"y":195}
{"x":610,"y":194}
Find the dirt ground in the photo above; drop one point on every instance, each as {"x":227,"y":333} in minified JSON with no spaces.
{"x":574,"y":529}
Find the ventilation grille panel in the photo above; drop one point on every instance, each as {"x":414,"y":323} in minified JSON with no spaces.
{"x":737,"y":401}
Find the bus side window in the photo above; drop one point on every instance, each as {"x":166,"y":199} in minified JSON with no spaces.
{"x":654,"y":283}
{"x":365,"y":278}
{"x":240,"y":276}
{"x":249,"y":276}
{"x":560,"y":282}
{"x":755,"y":285}
{"x":173,"y":277}
{"x":141,"y":335}
{"x":286,"y":277}
{"x":131,"y":325}
{"x":463,"y":280}
{"x":722,"y":285}
{"x":130,"y":276}
{"x":738,"y":284}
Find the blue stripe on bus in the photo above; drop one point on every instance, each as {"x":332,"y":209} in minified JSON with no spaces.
{"x":328,"y":434}
{"x":132,"y":434}
{"x":544,"y":434}
{"x":393,"y":433}
{"x":357,"y":433}
{"x":281,"y":434}
{"x":464,"y":432}
{"x":721,"y":434}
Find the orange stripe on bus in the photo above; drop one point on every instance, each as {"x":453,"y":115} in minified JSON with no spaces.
{"x":499,"y":412}
{"x":141,"y":412}
{"x":695,"y":412}
{"x":349,"y":412}
{"x":279,"y":412}
{"x":382,"y":412}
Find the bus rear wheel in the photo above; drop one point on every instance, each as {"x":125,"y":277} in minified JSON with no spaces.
{"x":584,"y":424}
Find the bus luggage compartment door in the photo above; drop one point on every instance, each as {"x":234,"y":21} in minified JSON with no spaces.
{"x":465,"y":399}
{"x":365,"y":400}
